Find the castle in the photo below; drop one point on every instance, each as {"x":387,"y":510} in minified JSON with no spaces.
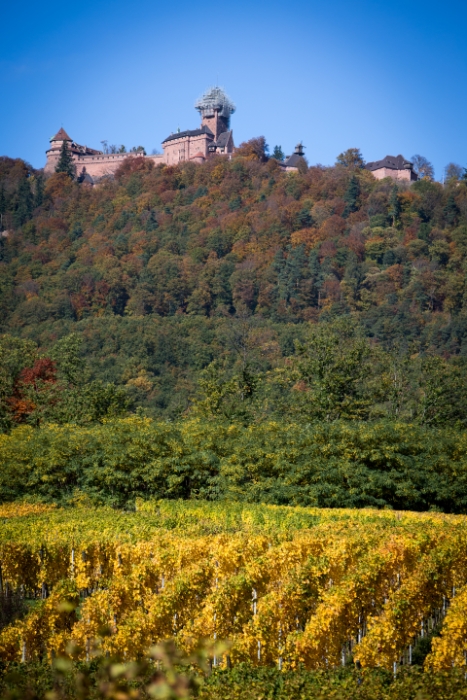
{"x":213,"y":136}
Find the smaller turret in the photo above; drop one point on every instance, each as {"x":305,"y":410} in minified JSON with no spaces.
{"x":296,"y":161}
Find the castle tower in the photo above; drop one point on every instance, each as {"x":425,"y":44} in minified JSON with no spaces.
{"x":53,"y":154}
{"x":215,"y":109}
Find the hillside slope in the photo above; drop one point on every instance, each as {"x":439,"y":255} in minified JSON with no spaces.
{"x":156,"y":269}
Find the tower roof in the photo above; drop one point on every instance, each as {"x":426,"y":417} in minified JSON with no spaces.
{"x":61,"y":135}
{"x":215,"y":99}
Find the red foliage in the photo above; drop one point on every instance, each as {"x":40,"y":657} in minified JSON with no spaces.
{"x":42,"y":375}
{"x":42,"y":370}
{"x":133,"y":164}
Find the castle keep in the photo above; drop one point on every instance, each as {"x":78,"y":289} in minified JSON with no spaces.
{"x":213,"y":136}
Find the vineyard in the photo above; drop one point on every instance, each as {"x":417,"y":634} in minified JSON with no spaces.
{"x":286,"y":587}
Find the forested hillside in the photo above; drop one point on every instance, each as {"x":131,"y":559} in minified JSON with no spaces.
{"x":287,"y":325}
{"x":163,"y":272}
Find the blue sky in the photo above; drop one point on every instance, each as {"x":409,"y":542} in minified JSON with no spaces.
{"x":386,"y":77}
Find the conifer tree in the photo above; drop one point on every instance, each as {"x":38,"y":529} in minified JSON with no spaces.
{"x":351,"y":196}
{"x":65,"y":162}
{"x":278,"y":153}
{"x":3,"y":207}
{"x":3,"y":202}
{"x":39,"y":193}
{"x":394,"y":205}
{"x":24,"y":203}
{"x":151,"y":222}
{"x":451,"y":210}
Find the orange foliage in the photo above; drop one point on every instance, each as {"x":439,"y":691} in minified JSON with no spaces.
{"x":133,"y":164}
{"x":333,"y":227}
{"x":58,"y":185}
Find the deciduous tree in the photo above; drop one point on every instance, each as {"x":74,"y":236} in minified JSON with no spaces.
{"x":423,"y":167}
{"x":351,"y":158}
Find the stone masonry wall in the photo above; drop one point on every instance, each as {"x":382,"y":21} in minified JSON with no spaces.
{"x":185,"y":148}
{"x":98,"y":165}
{"x":381,"y":173}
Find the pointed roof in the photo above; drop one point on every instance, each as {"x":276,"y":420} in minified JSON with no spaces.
{"x":293,"y":161}
{"x":224,"y":138}
{"x":61,"y":135}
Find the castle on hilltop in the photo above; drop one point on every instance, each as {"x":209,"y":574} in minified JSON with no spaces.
{"x":213,"y":137}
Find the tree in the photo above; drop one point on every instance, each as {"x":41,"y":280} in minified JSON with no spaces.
{"x":451,"y":210}
{"x":351,"y":158}
{"x":395,"y":207}
{"x":444,"y":395}
{"x":15,"y":356}
{"x":25,"y":203}
{"x":254,"y":149}
{"x":39,"y":192}
{"x":151,"y":222}
{"x":332,"y":370}
{"x":67,"y":355}
{"x":453,"y":171}
{"x":65,"y":162}
{"x":423,"y":167}
{"x":36,"y":393}
{"x":290,"y":270}
{"x":3,"y":200}
{"x":351,"y":196}
{"x":278,"y":153}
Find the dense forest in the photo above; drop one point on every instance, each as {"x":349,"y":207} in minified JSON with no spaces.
{"x":235,"y":292}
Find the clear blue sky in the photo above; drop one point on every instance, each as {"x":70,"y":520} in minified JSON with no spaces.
{"x":385,"y":76}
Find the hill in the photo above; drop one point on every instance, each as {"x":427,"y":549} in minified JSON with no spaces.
{"x":161,"y":271}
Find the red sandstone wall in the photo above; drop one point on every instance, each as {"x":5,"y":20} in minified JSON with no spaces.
{"x":185,"y":148}
{"x":98,"y":165}
{"x":381,"y":173}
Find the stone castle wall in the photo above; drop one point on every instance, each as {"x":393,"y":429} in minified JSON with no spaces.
{"x":98,"y":165}
{"x":185,"y":148}
{"x":405,"y":174}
